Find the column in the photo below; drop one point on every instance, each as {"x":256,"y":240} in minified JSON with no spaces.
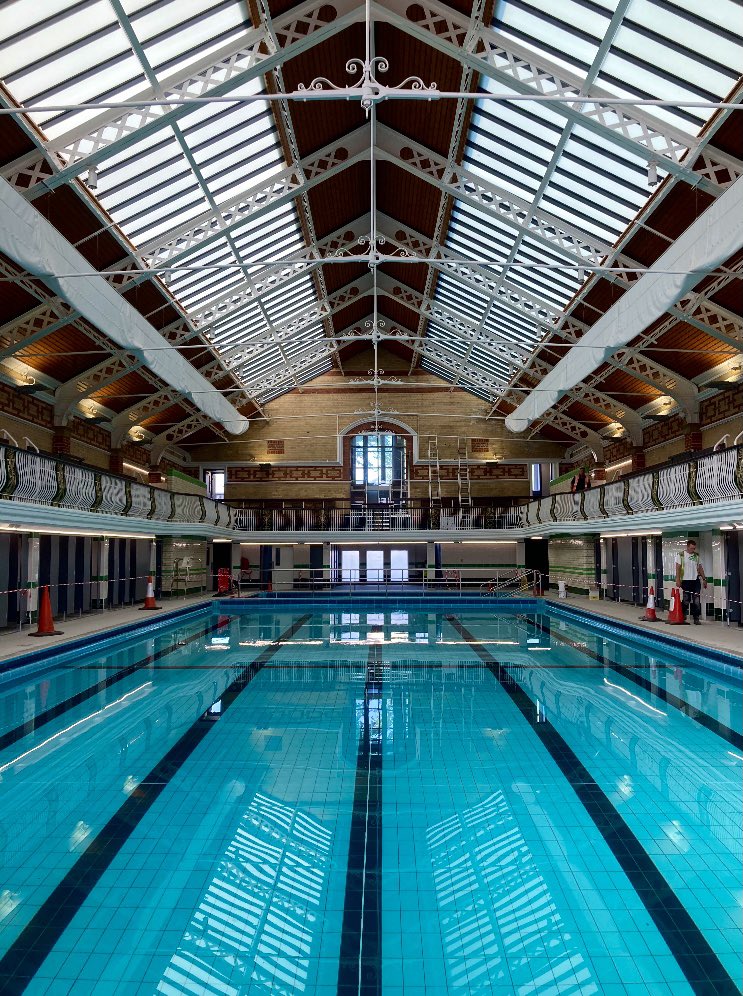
{"x":693,"y":437}
{"x":598,"y":475}
{"x":62,"y":440}
{"x":717,"y":576}
{"x":430,"y":562}
{"x":732,"y":576}
{"x":116,"y":461}
{"x":326,"y":564}
{"x":154,"y":476}
{"x":638,"y":459}
{"x":30,"y":575}
{"x":604,"y":566}
{"x":99,"y":573}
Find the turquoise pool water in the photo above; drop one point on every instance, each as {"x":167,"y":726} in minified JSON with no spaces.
{"x":308,"y":798}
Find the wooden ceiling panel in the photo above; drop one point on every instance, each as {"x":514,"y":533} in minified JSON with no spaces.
{"x":65,"y":209}
{"x":628,"y":390}
{"x":337,"y":275}
{"x":63,"y":354}
{"x":398,"y":315}
{"x":412,"y":274}
{"x":729,"y":136}
{"x":14,"y":142}
{"x":598,"y":299}
{"x":355,"y":312}
{"x":731,"y":296}
{"x":671,"y":216}
{"x":588,"y":416}
{"x":413,"y":201}
{"x":688,"y":351}
{"x":125,"y":392}
{"x":339,"y":201}
{"x":152,"y":302}
{"x":547,"y":431}
{"x":318,"y":123}
{"x":432,"y":123}
{"x":160,"y":421}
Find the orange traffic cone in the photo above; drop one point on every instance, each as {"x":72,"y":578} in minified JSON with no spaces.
{"x":675,"y":612}
{"x":650,"y":615}
{"x":149,"y":601}
{"x":46,"y":620}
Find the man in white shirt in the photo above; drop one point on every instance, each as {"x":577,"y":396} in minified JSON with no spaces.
{"x":690,"y":577}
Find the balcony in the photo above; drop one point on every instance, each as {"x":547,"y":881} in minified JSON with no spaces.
{"x":41,"y":490}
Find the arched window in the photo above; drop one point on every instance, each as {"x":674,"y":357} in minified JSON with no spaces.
{"x":377,"y":467}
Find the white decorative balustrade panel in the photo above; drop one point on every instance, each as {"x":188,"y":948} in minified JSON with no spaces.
{"x":27,"y":476}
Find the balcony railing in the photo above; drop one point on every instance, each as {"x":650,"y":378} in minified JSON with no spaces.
{"x":709,"y":479}
{"x":32,"y":477}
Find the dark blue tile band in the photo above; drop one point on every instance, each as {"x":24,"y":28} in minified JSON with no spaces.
{"x":27,"y":953}
{"x":703,"y":970}
{"x":360,"y":966}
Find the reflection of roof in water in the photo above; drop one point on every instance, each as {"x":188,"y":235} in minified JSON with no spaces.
{"x":500,"y":924}
{"x":256,"y":922}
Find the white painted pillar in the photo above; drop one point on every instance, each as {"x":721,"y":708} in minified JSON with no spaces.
{"x":99,"y":573}
{"x":30,"y":562}
{"x":430,"y":562}
{"x":717,"y":575}
{"x":604,"y":566}
{"x":326,"y":564}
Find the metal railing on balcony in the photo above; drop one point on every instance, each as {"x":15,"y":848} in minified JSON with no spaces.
{"x":30,"y":477}
{"x":701,"y":480}
{"x":43,"y":480}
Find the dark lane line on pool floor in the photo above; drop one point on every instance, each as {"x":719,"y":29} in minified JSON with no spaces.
{"x":30,"y":726}
{"x":703,"y":970}
{"x":360,"y":965}
{"x":732,"y":737}
{"x":37,"y":939}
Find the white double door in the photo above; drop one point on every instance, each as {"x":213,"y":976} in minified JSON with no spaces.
{"x":351,"y":566}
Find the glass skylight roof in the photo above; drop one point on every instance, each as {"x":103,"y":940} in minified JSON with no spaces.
{"x":188,"y":174}
{"x":564,"y":172}
{"x":181,"y":192}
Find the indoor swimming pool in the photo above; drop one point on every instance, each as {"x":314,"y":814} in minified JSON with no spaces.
{"x":411,"y":798}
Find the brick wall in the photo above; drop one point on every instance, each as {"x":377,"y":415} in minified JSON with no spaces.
{"x":308,"y":421}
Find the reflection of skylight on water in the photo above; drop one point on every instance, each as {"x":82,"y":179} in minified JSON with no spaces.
{"x":500,"y":923}
{"x":257,"y":921}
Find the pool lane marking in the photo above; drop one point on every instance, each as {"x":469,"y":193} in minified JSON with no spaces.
{"x":704,"y":971}
{"x":360,"y":963}
{"x":27,"y":953}
{"x":732,"y":737}
{"x":30,"y":726}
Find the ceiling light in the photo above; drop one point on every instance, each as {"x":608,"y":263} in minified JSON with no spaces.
{"x":653,"y":180}
{"x":91,"y":181}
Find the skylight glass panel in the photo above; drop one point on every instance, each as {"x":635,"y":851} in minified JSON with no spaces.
{"x":568,"y":33}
